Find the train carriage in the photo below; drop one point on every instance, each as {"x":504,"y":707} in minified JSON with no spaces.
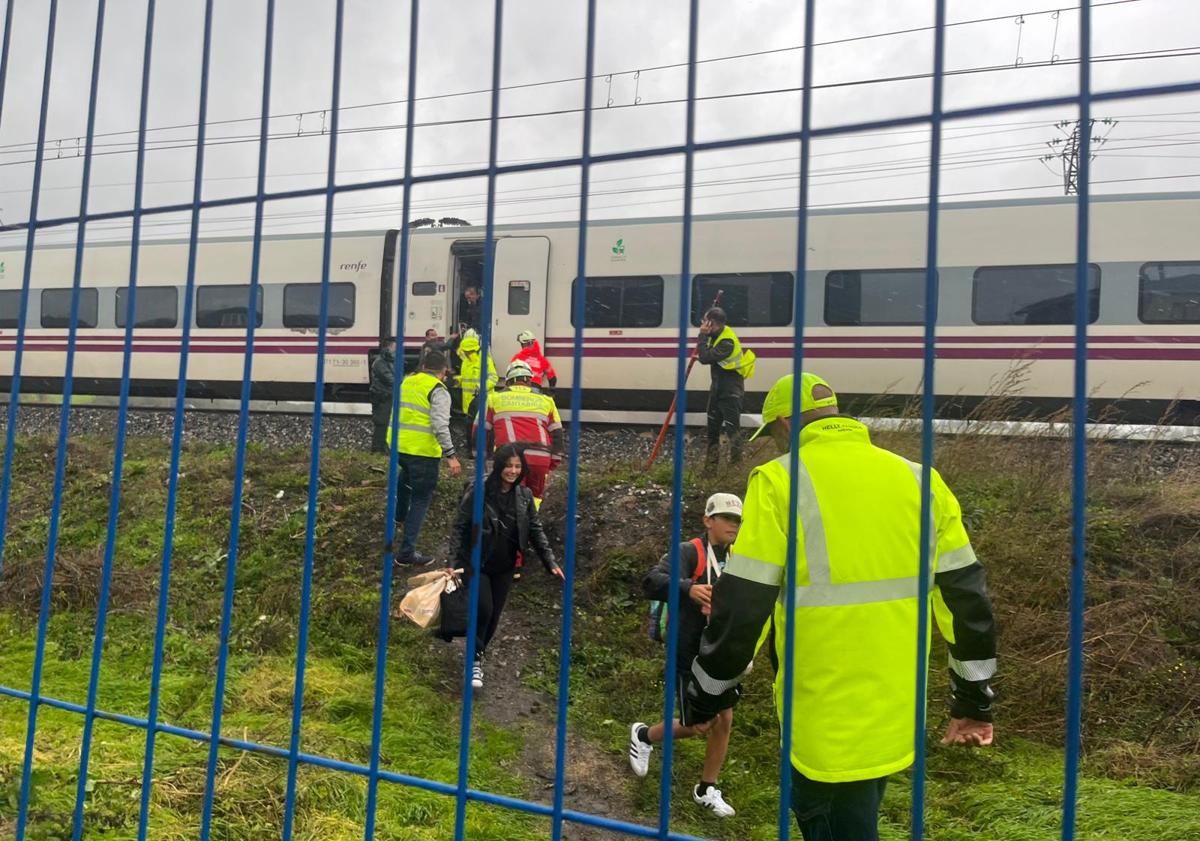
{"x":1005,"y":320}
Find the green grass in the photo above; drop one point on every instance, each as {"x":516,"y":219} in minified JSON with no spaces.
{"x":1012,"y":791}
{"x":1140,"y":773}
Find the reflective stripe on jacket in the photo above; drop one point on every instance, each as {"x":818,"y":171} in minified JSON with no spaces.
{"x":521,"y":413}
{"x":740,"y":360}
{"x":417,"y":437}
{"x":857,"y":559}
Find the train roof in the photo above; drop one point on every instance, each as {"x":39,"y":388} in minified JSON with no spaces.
{"x":478,"y":230}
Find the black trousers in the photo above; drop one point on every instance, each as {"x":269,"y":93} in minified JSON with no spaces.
{"x":381,"y":414}
{"x":724,"y":415}
{"x":493,"y":593}
{"x":837,"y":811}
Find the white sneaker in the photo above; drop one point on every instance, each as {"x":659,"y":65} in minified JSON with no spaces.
{"x":713,"y":801}
{"x":477,"y":674}
{"x":639,"y":751}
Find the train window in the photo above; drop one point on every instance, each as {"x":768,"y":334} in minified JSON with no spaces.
{"x":1031,"y":294}
{"x":155,"y":306}
{"x":621,"y":301}
{"x":10,"y":308}
{"x":56,"y":307}
{"x":225,"y":306}
{"x":875,"y":297}
{"x":518,"y":297}
{"x":750,"y":299}
{"x":424,"y":287}
{"x":302,"y":305}
{"x":1169,"y":293}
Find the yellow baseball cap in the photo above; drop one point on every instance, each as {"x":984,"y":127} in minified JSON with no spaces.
{"x":779,"y":399}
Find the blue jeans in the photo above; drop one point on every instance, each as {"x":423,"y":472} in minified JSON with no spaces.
{"x":837,"y":811}
{"x":415,"y":482}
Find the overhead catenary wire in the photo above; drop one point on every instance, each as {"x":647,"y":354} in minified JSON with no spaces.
{"x":573,"y":79}
{"x":1140,"y":55}
{"x":889,"y":169}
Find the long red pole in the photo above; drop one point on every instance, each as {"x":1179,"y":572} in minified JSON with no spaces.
{"x":662,"y":433}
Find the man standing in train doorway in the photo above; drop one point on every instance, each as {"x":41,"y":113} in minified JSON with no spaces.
{"x":731,"y":366}
{"x":383,"y":376}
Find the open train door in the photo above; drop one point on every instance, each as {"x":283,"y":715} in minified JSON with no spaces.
{"x":520,"y":294}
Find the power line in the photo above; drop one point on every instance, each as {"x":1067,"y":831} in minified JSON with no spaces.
{"x":896,"y":165}
{"x":446,"y":203}
{"x":567,"y":80}
{"x":1138,"y":55}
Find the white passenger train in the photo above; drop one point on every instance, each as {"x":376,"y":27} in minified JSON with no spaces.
{"x":1005,"y":308}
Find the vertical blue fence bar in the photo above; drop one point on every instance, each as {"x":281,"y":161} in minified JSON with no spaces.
{"x":579,"y":312}
{"x":681,"y":372}
{"x":11,"y":430}
{"x":485,"y":354}
{"x":928,"y":535}
{"x":8,"y":19}
{"x":1079,"y":410}
{"x":164,"y":582}
{"x":69,"y":382}
{"x":239,"y":472}
{"x":799,"y":314}
{"x":389,"y":514}
{"x":114,"y":503}
{"x":314,"y":467}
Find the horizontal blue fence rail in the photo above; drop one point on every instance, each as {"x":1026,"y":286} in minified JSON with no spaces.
{"x":461,"y":791}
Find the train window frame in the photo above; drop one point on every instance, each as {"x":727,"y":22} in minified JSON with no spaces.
{"x":242,"y":288}
{"x":523,"y":306}
{"x":142,"y":292}
{"x":14,"y":322}
{"x":622,"y":323}
{"x":1093,"y":304}
{"x":311,"y":319}
{"x":89,"y":299}
{"x":701,"y":301}
{"x":424,"y":288}
{"x":1142,"y":280}
{"x":829,"y":276}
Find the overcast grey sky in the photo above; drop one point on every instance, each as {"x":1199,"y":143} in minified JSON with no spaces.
{"x":1153,"y":139}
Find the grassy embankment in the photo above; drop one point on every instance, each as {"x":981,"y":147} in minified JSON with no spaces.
{"x":1141,"y":770}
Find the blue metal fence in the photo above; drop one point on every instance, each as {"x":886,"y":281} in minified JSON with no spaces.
{"x":374,"y":774}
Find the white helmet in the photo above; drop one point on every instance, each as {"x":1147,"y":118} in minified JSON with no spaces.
{"x":517,"y":370}
{"x":526,"y":337}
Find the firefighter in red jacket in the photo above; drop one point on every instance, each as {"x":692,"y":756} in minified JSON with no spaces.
{"x":542,"y":373}
{"x":520,"y":414}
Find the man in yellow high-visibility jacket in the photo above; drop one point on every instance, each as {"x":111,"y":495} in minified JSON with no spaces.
{"x":468,"y":380}
{"x":731,"y":365}
{"x":423,"y":441}
{"x":857,"y":561}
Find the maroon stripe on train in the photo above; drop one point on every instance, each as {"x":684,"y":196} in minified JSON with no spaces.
{"x":1163,"y":354}
{"x":174,"y":347}
{"x":567,"y":343}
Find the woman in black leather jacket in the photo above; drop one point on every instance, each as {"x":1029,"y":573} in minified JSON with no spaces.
{"x":510,"y":524}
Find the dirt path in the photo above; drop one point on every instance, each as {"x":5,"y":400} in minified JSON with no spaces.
{"x":596,"y":781}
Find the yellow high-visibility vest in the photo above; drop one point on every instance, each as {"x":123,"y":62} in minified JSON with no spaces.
{"x":740,"y":360}
{"x":469,"y":378}
{"x":857,"y":559}
{"x":416,"y":424}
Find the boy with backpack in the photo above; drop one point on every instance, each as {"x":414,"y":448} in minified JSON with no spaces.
{"x":700,"y":563}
